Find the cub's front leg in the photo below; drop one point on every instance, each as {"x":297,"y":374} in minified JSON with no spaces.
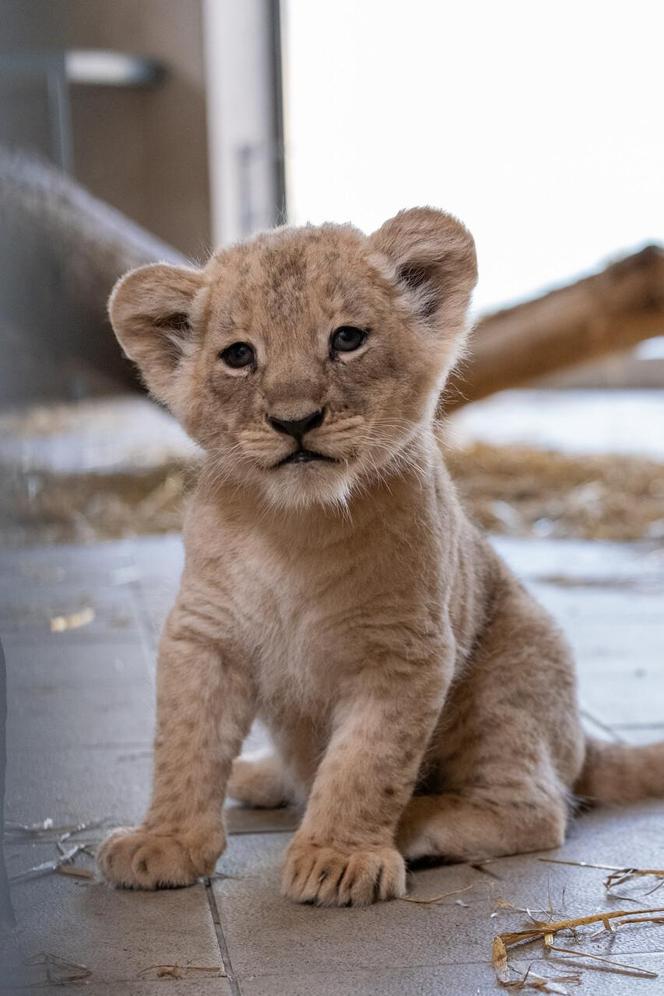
{"x":344,"y":852}
{"x":205,"y":705}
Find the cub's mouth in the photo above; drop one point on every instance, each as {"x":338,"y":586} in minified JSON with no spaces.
{"x":304,"y":456}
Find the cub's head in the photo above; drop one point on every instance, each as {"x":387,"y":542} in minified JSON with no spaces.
{"x":306,"y":361}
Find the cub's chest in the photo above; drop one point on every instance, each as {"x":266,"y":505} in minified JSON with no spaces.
{"x":299,"y":621}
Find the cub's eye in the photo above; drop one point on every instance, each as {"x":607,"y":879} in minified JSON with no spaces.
{"x":347,"y":339}
{"x":238,"y":354}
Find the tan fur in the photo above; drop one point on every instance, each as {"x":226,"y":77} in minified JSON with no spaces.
{"x":419,"y":700}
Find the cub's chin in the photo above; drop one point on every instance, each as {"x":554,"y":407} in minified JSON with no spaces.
{"x":301,"y":482}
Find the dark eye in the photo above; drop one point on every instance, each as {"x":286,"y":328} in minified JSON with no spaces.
{"x":346,"y":339}
{"x":238,"y":354}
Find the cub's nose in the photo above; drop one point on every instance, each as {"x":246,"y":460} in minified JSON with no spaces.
{"x":297,"y":427}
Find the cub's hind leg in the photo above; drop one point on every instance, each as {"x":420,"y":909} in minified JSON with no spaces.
{"x":267,"y":779}
{"x":509,"y":745}
{"x":473,"y":826}
{"x":260,"y":781}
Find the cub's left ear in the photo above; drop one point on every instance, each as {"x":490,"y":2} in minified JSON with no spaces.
{"x":150,"y":311}
{"x":435,"y":263}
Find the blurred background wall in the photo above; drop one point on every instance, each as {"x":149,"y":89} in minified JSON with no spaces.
{"x":168,"y":111}
{"x":539,"y":127}
{"x":142,"y":147}
{"x":144,"y":150}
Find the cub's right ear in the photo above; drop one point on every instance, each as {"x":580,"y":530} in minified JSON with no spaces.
{"x":150,"y":311}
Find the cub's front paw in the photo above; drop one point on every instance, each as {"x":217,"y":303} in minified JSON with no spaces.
{"x":331,"y":876}
{"x":137,"y":858}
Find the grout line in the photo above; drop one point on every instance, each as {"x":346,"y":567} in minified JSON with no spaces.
{"x":149,"y":642}
{"x":221,"y":940}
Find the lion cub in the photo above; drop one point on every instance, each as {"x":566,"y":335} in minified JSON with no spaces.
{"x":418,"y":699}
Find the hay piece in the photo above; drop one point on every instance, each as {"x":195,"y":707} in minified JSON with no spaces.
{"x":481,"y":866}
{"x":435,"y":899}
{"x":47,"y":867}
{"x":499,"y":959}
{"x":28,"y":829}
{"x":509,"y":489}
{"x":546,"y":932}
{"x":48,"y":507}
{"x":505,"y":904}
{"x":622,"y":875}
{"x":181,"y":971}
{"x":72,"y":831}
{"x":47,"y":830}
{"x":509,"y":978}
{"x":60,"y":971}
{"x":617,"y":967}
{"x":75,"y":620}
{"x":602,"y":496}
{"x":618,"y":876}
{"x":73,"y":871}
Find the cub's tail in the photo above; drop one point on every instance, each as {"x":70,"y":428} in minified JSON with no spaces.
{"x":617,"y":773}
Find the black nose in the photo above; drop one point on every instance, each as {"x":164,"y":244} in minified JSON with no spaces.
{"x":297,"y":427}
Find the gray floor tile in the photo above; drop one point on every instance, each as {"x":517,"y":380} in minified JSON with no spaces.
{"x":610,"y":647}
{"x":160,"y":559}
{"x":118,"y":935}
{"x":44,"y":566}
{"x":192,"y":986}
{"x":111,"y":433}
{"x":28,"y":612}
{"x":627,"y":697}
{"x":65,"y":694}
{"x":268,"y":935}
{"x":81,"y":715}
{"x":442,"y":980}
{"x":74,"y":785}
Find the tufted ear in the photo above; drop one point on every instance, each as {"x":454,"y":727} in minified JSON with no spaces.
{"x":150,"y":311}
{"x":434,"y":261}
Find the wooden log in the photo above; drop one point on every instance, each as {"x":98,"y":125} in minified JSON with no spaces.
{"x":605,"y":313}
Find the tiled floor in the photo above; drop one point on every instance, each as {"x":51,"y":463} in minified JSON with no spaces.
{"x":79,"y":732}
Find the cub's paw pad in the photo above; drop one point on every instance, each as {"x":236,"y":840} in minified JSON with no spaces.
{"x":135,"y":858}
{"x":330,"y":876}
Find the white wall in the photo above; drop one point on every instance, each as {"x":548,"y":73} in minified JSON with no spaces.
{"x":240,"y":117}
{"x":541,"y":124}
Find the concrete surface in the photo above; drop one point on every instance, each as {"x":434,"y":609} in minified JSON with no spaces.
{"x":79,"y":732}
